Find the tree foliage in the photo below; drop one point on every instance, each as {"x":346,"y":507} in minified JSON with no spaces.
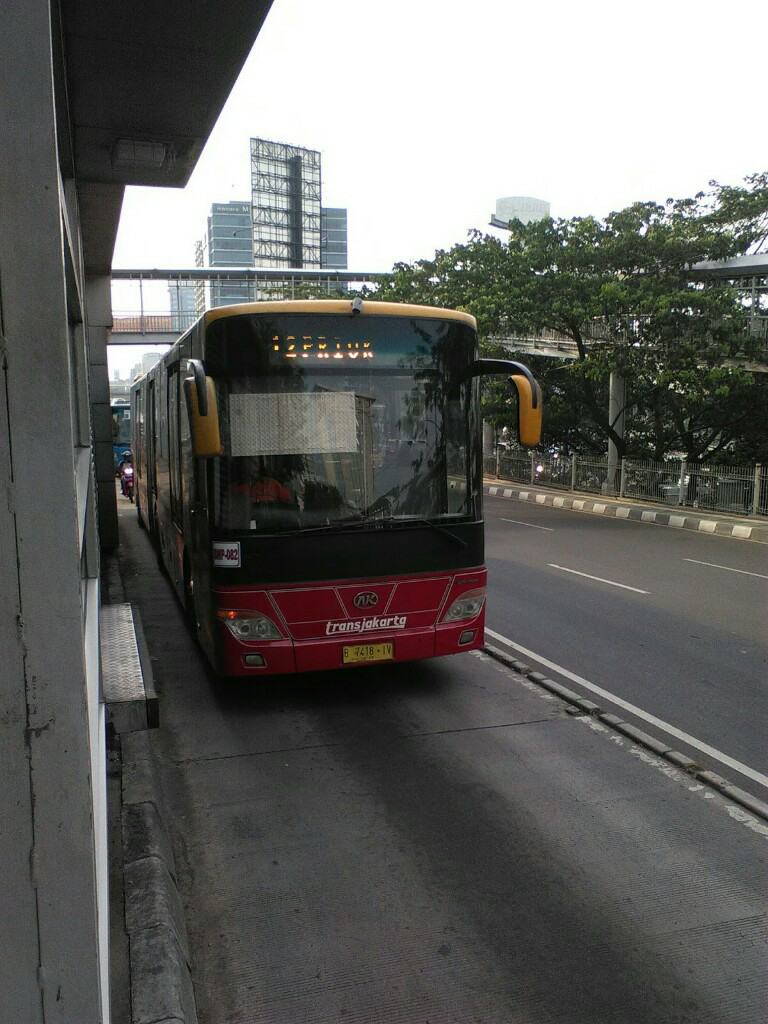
{"x":624,"y":292}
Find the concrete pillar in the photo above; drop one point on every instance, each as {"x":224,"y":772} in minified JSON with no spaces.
{"x":52,"y":764}
{"x":616,"y":401}
{"x":756,"y":489}
{"x":99,"y":323}
{"x":487,"y":438}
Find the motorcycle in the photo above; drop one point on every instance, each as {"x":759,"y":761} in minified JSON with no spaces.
{"x":126,"y":477}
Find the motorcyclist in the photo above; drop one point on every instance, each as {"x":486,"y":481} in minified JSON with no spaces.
{"x":126,"y":475}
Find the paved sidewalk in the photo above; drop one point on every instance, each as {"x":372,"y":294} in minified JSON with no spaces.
{"x":738,"y":527}
{"x":150,"y":974}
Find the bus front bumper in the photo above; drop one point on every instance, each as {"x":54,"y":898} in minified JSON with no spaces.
{"x":280,"y":657}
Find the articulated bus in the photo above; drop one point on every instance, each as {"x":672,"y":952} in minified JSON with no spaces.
{"x":311,"y":474}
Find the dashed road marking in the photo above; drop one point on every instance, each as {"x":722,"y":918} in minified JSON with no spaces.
{"x":533,"y":526}
{"x":714,"y":565}
{"x":599,"y":579}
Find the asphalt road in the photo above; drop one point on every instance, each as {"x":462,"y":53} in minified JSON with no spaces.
{"x":672,"y":622}
{"x":440,"y":842}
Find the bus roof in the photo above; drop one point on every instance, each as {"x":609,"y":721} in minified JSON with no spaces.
{"x":343,"y":306}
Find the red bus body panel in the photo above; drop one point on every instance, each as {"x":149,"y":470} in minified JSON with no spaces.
{"x":319,"y":620}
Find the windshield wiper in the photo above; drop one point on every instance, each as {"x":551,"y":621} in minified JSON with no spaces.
{"x":337,"y":525}
{"x":374,"y":522}
{"x":423,"y":521}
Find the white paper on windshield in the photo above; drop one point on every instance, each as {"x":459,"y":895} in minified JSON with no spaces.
{"x":292,"y":424}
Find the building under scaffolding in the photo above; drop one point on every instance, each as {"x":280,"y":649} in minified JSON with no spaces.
{"x":285,"y":198}
{"x":283,"y":227}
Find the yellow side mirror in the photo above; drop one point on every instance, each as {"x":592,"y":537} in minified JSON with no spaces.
{"x":529,"y":410}
{"x":206,"y":440}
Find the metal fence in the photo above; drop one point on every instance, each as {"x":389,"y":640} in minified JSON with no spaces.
{"x":740,"y":490}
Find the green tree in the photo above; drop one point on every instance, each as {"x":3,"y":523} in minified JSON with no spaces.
{"x":622,"y":291}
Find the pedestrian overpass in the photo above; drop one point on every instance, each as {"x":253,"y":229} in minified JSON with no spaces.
{"x":155,"y":307}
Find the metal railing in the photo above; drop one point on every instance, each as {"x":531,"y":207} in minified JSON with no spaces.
{"x":739,"y":490}
{"x":593,"y":475}
{"x":717,"y":488}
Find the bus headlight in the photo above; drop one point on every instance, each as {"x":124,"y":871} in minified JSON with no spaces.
{"x":468,"y":606}
{"x":249,"y":625}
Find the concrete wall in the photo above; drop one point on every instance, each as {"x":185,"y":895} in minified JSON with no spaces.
{"x":53,"y":907}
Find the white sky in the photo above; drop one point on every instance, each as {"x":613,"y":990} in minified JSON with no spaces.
{"x":428,"y":111}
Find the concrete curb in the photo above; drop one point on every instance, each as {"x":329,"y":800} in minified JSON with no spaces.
{"x":587,"y":707}
{"x":161,"y":980}
{"x":739,"y":529}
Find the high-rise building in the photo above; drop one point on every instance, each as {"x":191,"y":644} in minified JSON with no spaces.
{"x":200,"y":296}
{"x":184,"y":306}
{"x":230,"y":236}
{"x":148,"y":360}
{"x":333,"y":238}
{"x":229,"y":243}
{"x":522,"y":208}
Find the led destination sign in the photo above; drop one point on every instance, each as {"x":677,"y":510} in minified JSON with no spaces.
{"x":307,"y":346}
{"x":254,"y":344}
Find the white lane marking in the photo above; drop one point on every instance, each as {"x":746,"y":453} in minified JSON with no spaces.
{"x":705,"y":748}
{"x":599,"y":579}
{"x":714,"y":565}
{"x":532,"y":525}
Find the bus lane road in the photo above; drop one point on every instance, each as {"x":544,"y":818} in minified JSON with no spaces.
{"x":439,"y":841}
{"x":668,"y":621}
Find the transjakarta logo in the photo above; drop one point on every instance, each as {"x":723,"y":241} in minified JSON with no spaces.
{"x":364,"y":625}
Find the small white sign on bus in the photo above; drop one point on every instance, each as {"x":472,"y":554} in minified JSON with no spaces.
{"x":227,"y":553}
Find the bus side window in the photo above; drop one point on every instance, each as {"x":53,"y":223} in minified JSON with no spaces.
{"x":187,"y":474}
{"x":174,"y":447}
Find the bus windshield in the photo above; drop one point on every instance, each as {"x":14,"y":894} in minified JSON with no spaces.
{"x":327,"y":421}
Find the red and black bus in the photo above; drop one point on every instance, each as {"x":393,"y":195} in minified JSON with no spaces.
{"x":311,"y":473}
